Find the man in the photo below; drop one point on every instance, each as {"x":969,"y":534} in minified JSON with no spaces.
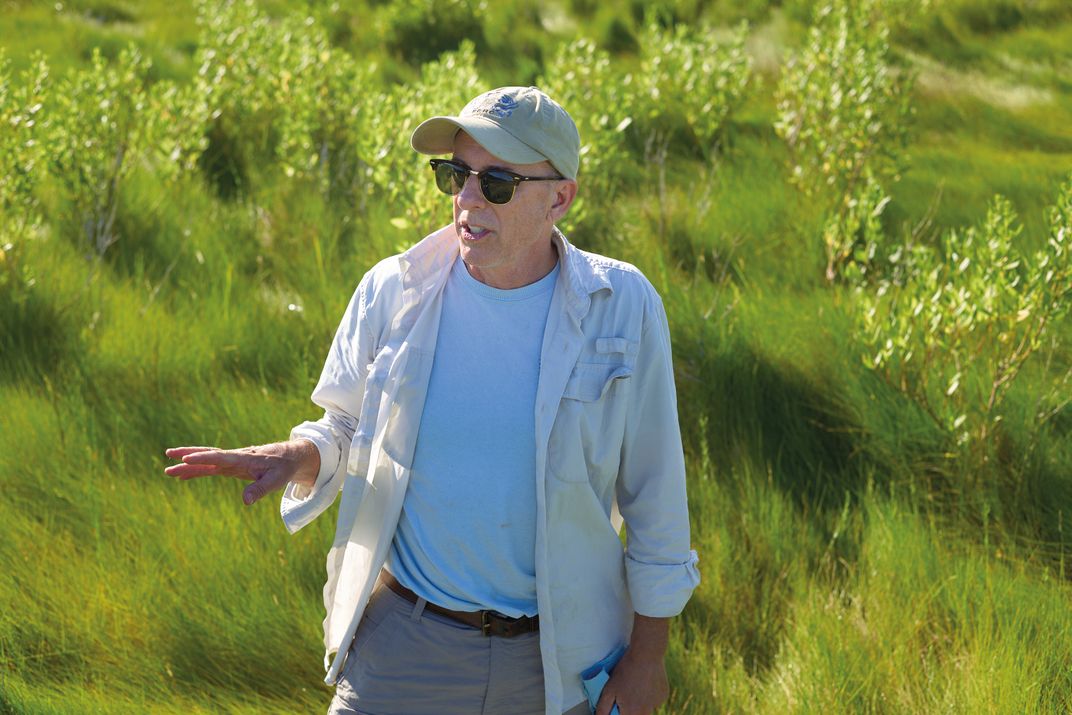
{"x":497,"y":403}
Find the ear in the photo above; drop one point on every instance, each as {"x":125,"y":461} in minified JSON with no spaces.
{"x":565,"y":192}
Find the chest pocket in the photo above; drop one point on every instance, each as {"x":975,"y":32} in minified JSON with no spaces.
{"x":585,"y":443}
{"x":590,"y":381}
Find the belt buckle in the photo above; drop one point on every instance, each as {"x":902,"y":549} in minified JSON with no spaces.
{"x":485,"y":623}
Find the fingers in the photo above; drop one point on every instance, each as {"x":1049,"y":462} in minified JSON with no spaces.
{"x":206,"y":461}
{"x":245,"y":463}
{"x":606,"y":702}
{"x":191,"y":471}
{"x":219,"y":457}
{"x":180,"y":452}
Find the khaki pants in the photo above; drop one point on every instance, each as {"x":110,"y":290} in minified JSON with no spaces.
{"x":408,"y":661}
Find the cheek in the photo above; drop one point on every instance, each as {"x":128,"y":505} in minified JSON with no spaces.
{"x":534,"y":212}
{"x":543,"y":208}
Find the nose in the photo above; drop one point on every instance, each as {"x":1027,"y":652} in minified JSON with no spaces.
{"x":470,"y":196}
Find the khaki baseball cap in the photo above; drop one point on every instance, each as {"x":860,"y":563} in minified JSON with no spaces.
{"x":521,"y":125}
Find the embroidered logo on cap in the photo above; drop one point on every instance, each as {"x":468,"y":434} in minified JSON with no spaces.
{"x":502,"y":106}
{"x":505,"y":106}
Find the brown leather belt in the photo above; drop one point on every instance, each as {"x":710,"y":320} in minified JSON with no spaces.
{"x":489,"y":623}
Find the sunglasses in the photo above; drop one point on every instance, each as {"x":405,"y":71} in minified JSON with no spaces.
{"x":497,"y":185}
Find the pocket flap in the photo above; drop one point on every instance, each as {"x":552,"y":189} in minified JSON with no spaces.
{"x":590,"y":381}
{"x":617,"y":345}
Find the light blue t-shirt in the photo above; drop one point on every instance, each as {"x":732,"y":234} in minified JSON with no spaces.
{"x":466,"y":539}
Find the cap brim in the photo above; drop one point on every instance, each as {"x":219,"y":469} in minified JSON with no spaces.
{"x":436,"y":136}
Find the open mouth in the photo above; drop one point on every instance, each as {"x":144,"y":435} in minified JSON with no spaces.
{"x":472,"y":231}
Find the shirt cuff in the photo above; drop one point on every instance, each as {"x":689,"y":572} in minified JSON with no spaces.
{"x":302,"y":503}
{"x":661,"y":590}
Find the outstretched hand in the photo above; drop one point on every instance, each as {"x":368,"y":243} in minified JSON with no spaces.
{"x":270,"y":466}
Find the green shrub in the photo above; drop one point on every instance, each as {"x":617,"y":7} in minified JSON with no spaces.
{"x":22,"y":100}
{"x":896,"y":14}
{"x":691,"y":72}
{"x":856,"y":231}
{"x":421,"y":31}
{"x":324,"y":91}
{"x":105,"y":120}
{"x":516,"y":34}
{"x":733,"y":11}
{"x":843,"y":112}
{"x":312,"y":107}
{"x":615,"y":33}
{"x":952,"y":328}
{"x":244,"y":59}
{"x":599,"y":98}
{"x":398,"y":174}
{"x":176,"y":120}
{"x":280,"y":90}
{"x":240,"y":57}
{"x":668,"y":13}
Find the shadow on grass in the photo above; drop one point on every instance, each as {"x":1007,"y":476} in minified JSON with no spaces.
{"x":784,"y":472}
{"x":37,"y":336}
{"x":760,"y":412}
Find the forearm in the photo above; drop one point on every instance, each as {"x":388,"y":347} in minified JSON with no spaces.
{"x":650,"y":637}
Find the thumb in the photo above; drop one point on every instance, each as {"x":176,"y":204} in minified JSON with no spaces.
{"x":252,"y":493}
{"x":263,"y":484}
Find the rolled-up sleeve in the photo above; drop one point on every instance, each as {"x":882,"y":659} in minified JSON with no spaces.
{"x":661,"y":568}
{"x":340,"y":392}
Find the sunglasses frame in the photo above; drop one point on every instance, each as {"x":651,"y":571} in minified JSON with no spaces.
{"x":498,"y":175}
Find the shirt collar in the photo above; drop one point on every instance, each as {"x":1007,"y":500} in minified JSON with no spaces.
{"x":428,"y":263}
{"x":583,"y":275}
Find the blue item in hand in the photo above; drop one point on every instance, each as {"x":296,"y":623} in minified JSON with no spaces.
{"x":594,"y":678}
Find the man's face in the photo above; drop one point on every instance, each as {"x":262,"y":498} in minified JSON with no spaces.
{"x":508,"y":245}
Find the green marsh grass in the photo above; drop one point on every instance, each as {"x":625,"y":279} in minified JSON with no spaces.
{"x":851,"y":564}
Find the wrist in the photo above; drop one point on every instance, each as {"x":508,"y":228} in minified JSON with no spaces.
{"x":650,"y":637}
{"x":307,"y":458}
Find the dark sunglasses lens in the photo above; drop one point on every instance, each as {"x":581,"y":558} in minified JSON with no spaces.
{"x":498,"y":188}
{"x":449,"y":178}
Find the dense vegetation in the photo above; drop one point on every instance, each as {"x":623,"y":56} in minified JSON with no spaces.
{"x":859,"y":216}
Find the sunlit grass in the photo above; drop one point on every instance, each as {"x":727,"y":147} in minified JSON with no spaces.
{"x":849,"y":564}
